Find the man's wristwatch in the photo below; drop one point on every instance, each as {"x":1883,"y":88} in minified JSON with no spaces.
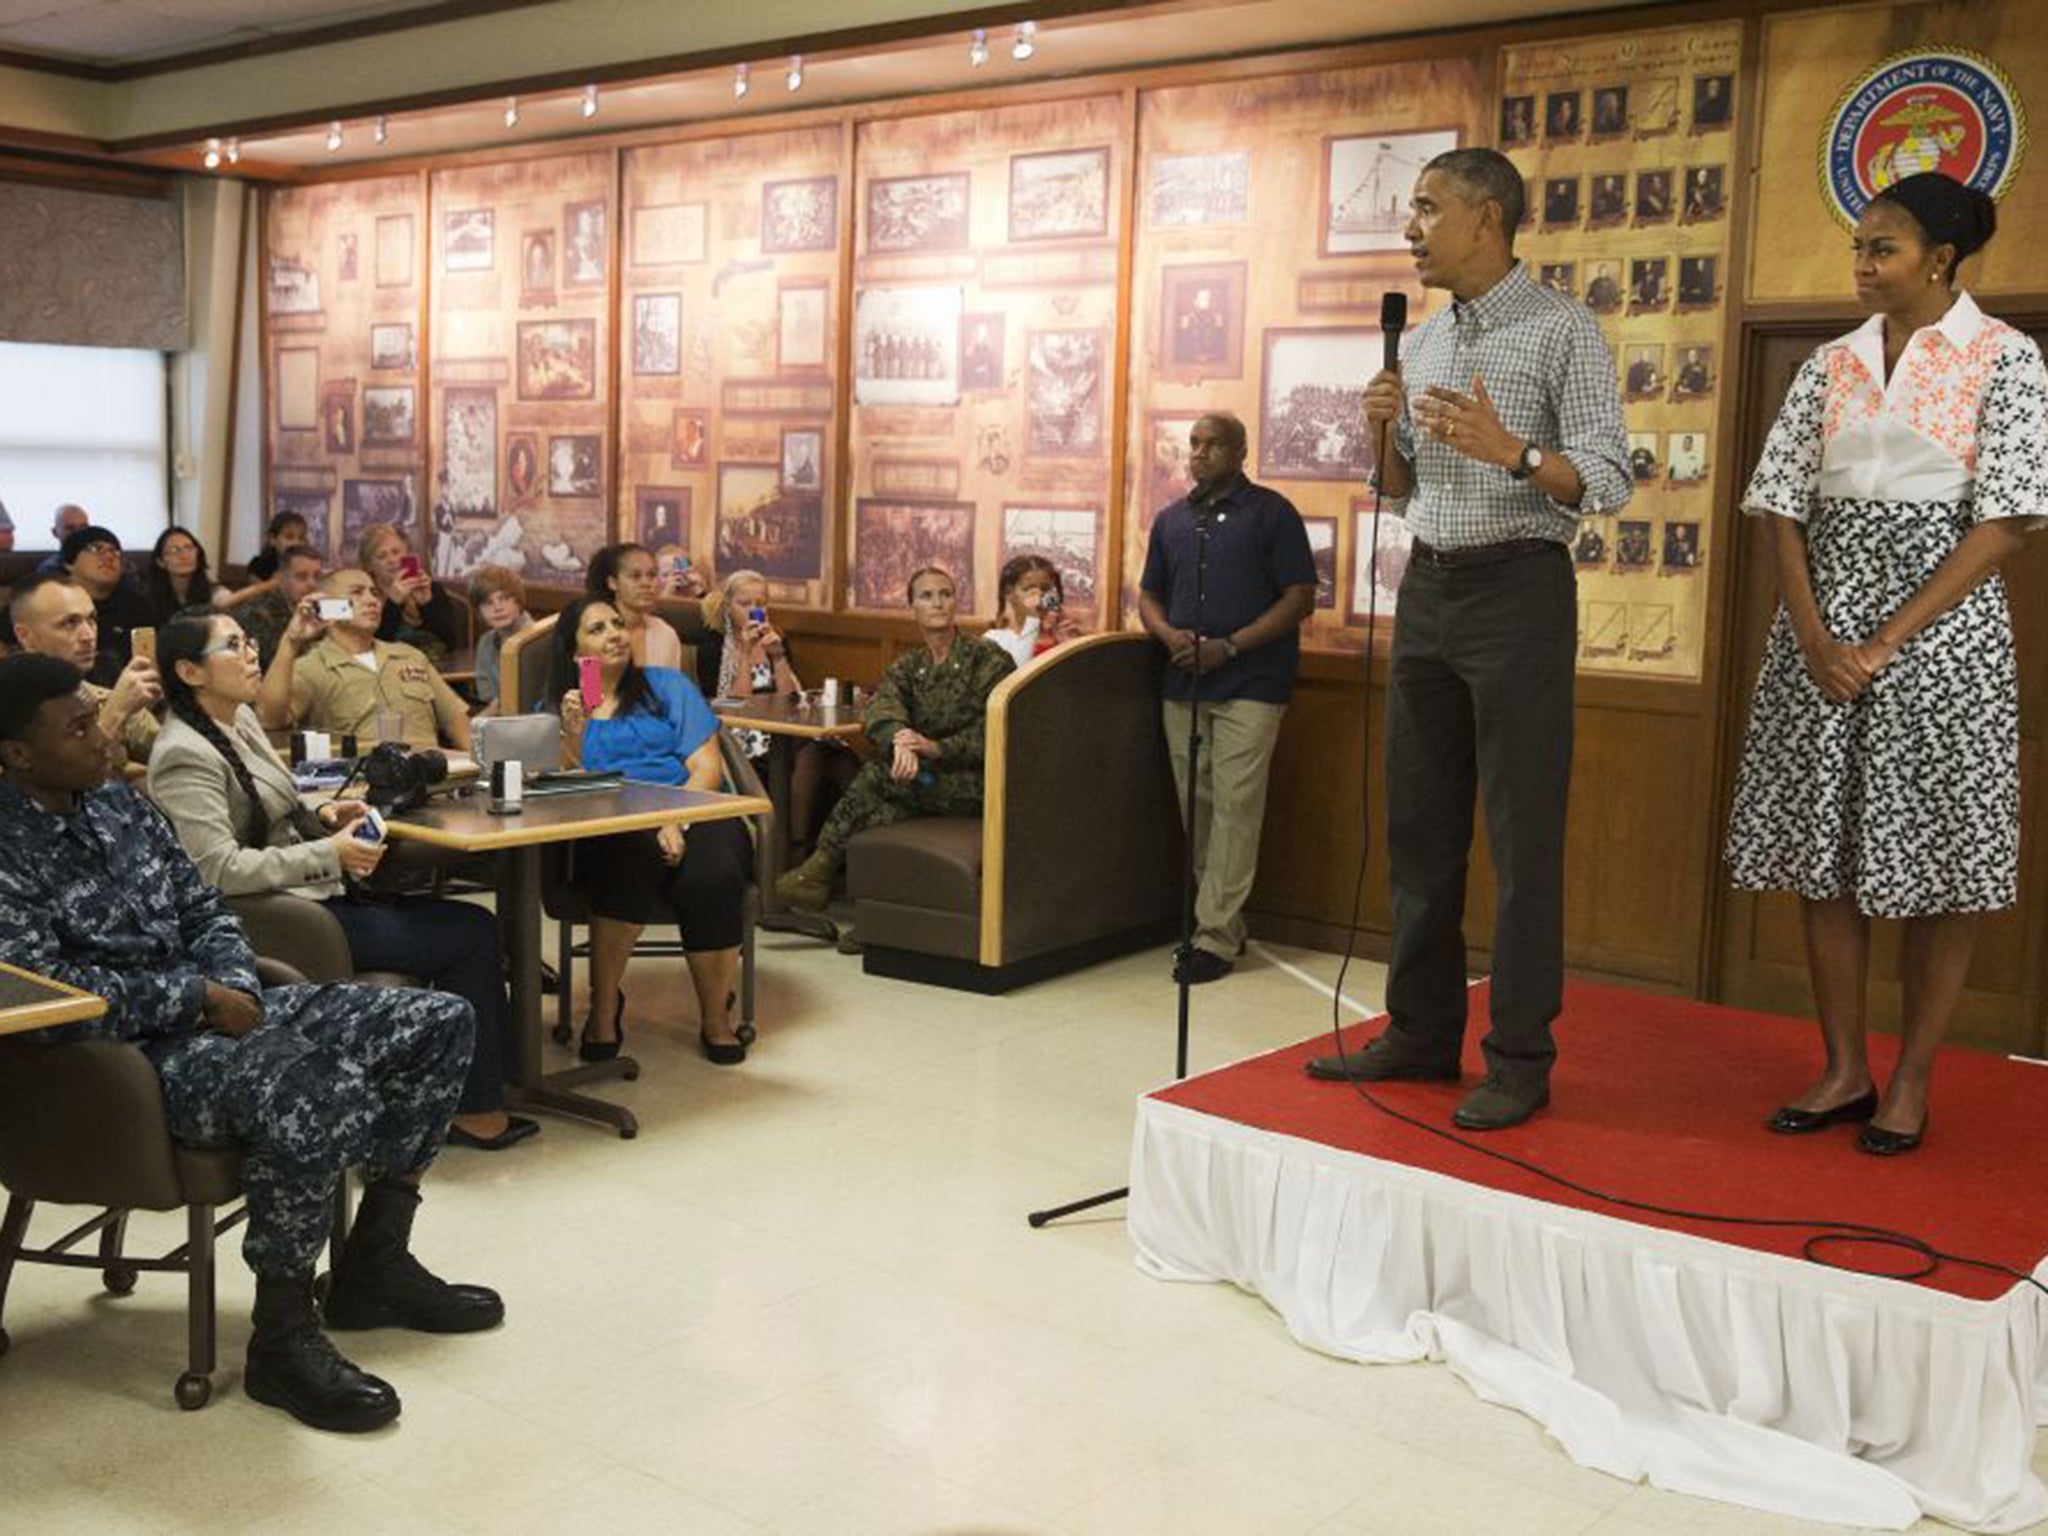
{"x":1530,"y":461}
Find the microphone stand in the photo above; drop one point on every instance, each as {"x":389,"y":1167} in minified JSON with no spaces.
{"x":1184,"y":955}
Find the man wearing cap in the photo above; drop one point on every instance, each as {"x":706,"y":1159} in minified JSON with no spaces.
{"x":92,"y":557}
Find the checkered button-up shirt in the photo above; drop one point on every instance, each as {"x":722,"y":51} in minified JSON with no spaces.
{"x":1551,"y":378}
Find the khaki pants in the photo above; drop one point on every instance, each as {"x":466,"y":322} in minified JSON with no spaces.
{"x":1230,"y":809}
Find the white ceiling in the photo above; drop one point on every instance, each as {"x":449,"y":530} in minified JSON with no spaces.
{"x":136,"y":31}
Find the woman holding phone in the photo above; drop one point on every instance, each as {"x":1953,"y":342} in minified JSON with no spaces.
{"x":651,"y":724}
{"x":753,"y":658}
{"x":417,"y":610}
{"x":627,"y":577}
{"x":233,"y":804}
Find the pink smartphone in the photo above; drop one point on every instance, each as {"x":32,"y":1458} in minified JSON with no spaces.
{"x":590,"y":682}
{"x":409,"y":567}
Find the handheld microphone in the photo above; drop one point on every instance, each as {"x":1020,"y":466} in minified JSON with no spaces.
{"x":1393,"y":321}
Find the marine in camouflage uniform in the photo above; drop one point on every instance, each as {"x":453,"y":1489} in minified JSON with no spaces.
{"x":946,"y":701}
{"x":96,"y":892}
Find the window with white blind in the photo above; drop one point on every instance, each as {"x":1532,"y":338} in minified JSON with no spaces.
{"x":84,"y":425}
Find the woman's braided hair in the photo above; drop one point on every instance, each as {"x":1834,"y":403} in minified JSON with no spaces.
{"x":186,"y":638}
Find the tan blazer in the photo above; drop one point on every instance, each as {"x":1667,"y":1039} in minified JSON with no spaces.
{"x":199,"y":792}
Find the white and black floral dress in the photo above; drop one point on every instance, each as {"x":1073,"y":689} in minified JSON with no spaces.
{"x":1906,"y":798}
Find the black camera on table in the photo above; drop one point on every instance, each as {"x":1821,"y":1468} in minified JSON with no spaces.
{"x":399,"y":778}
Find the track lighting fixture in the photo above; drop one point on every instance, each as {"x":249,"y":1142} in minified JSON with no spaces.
{"x":589,"y":107}
{"x":1026,"y":44}
{"x":234,"y":151}
{"x":795,"y":78}
{"x":334,"y":135}
{"x":977,"y":51}
{"x":382,"y":130}
{"x":740,"y":83}
{"x":511,"y":111}
{"x":212,"y":156}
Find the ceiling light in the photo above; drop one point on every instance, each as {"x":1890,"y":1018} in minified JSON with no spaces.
{"x":212,"y":156}
{"x":383,"y":128}
{"x":977,"y":51}
{"x":795,"y":78}
{"x":334,"y":134}
{"x":589,"y":107}
{"x":1024,"y":47}
{"x":511,"y":111}
{"x":234,"y":151}
{"x":740,"y":84}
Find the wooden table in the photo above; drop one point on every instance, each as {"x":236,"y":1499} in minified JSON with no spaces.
{"x":463,"y":823}
{"x":461,"y":668}
{"x":788,"y":721}
{"x":29,"y":1001}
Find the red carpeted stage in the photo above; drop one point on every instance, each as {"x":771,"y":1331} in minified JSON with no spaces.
{"x":1708,"y":1358}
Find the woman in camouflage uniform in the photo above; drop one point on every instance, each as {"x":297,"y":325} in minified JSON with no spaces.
{"x":927,"y":719}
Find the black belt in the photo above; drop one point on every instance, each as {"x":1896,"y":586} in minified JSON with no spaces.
{"x":1482,"y":554}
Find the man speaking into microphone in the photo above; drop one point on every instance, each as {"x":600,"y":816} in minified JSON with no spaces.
{"x":1506,"y":429}
{"x":1229,"y":577}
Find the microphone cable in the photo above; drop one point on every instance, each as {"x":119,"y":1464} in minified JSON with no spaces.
{"x":1828,"y":1234}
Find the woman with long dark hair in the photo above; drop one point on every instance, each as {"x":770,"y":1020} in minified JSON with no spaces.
{"x":233,"y":804}
{"x":652,"y":725}
{"x":629,"y":578}
{"x":1880,"y":776}
{"x":178,"y":575}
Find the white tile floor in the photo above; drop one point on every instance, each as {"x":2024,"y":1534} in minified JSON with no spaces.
{"x":806,"y":1300}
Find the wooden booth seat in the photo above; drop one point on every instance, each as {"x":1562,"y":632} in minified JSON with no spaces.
{"x":1074,"y":859}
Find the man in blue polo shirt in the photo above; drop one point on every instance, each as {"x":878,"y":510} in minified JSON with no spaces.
{"x":1243,"y":547}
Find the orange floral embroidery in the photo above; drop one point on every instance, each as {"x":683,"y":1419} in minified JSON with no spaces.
{"x":1937,"y":396}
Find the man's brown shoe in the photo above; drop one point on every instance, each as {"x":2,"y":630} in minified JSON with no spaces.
{"x":1500,"y":1102}
{"x":1383,"y":1060}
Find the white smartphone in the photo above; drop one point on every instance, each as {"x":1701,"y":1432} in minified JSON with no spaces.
{"x":332,"y":609}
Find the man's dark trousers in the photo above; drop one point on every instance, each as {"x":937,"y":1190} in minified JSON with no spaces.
{"x":1480,"y":696}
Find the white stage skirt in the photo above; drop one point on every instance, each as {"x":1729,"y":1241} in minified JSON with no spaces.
{"x":1706,"y":1368}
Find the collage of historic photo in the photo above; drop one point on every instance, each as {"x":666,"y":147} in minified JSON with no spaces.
{"x":341,"y":301}
{"x":727,"y":390}
{"x":1629,"y":156}
{"x":983,"y":351}
{"x":521,"y":365}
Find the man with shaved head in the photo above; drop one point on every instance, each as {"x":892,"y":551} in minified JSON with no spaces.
{"x":54,"y":616}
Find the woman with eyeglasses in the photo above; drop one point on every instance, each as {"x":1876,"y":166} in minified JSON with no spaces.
{"x":233,"y":804}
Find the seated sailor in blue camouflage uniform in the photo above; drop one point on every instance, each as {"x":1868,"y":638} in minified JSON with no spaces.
{"x":95,"y":891}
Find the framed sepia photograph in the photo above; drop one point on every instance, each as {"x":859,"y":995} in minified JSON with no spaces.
{"x":1693,"y":378}
{"x":1312,"y":403}
{"x":764,"y":527}
{"x":388,"y":415}
{"x":1322,"y":548}
{"x":1705,"y":197}
{"x":1653,"y":197}
{"x":345,"y":257}
{"x":522,"y":468}
{"x":1633,"y":550}
{"x":668,"y":234}
{"x":1685,"y":457}
{"x":1201,"y":321}
{"x":1366,"y":182}
{"x":1699,"y":282}
{"x":1603,"y":285}
{"x":1064,"y":393}
{"x":981,"y":351}
{"x":1560,"y":202}
{"x":918,"y":213}
{"x":1068,"y":537}
{"x":906,"y":345}
{"x":365,"y":503}
{"x":585,"y":245}
{"x":1645,"y":466}
{"x":1517,"y":122}
{"x":1649,"y":284}
{"x":293,"y":288}
{"x":661,"y":518}
{"x":1166,"y":461}
{"x":689,"y":438}
{"x":1713,"y":102}
{"x":338,"y":417}
{"x":1059,"y":195}
{"x":1559,"y":277}
{"x":469,"y":452}
{"x":1563,"y":117}
{"x":394,"y":250}
{"x":802,"y":329}
{"x":1681,"y":546}
{"x":1376,"y":568}
{"x":297,"y":389}
{"x":576,"y":466}
{"x":800,"y":215}
{"x":893,"y":538}
{"x":1589,"y":548}
{"x":313,"y":507}
{"x":557,"y":359}
{"x":537,"y":268}
{"x":657,"y":333}
{"x":468,"y":240}
{"x":1610,"y":111}
{"x":1642,"y":372}
{"x":1199,"y":189}
{"x":1607,"y":201}
{"x":391,"y":348}
{"x":803,"y":460}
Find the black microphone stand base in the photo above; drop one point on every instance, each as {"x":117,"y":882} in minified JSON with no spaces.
{"x":1075,"y":1207}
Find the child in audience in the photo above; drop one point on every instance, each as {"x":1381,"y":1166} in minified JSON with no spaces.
{"x":1030,"y":609}
{"x":499,"y":598}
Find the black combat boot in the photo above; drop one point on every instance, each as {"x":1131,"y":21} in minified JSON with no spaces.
{"x":293,"y":1366}
{"x":377,"y":1283}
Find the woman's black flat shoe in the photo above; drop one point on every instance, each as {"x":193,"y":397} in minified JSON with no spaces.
{"x":1800,"y":1122}
{"x":517,"y":1129}
{"x":1879,"y":1142}
{"x":721,"y":1053}
{"x":588,"y":1049}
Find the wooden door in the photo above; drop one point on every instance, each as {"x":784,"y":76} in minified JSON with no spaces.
{"x":1761,"y":961}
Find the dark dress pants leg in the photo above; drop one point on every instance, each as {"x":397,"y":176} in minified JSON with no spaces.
{"x":1430,"y":784}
